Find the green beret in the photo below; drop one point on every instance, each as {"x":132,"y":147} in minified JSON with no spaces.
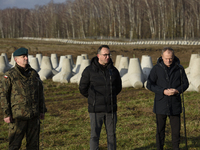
{"x":20,"y":51}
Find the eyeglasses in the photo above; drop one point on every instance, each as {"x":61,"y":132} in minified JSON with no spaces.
{"x":106,"y":55}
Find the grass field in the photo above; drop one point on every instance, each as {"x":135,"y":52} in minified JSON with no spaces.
{"x":66,"y":125}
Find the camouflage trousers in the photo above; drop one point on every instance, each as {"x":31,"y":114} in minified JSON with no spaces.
{"x":19,"y":128}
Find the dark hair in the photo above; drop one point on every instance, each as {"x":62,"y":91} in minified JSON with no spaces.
{"x":102,"y":46}
{"x":167,"y":48}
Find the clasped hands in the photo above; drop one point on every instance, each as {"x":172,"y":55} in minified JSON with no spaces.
{"x":170,"y":92}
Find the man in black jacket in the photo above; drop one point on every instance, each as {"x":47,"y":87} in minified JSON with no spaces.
{"x":101,"y":83}
{"x":167,"y":80}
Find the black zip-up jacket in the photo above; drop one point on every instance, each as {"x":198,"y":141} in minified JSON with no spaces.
{"x":95,"y":84}
{"x":160,"y":78}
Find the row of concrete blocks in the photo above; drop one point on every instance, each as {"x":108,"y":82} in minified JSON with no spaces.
{"x":66,"y":71}
{"x":48,"y":67}
{"x":179,"y":42}
{"x":133,"y":73}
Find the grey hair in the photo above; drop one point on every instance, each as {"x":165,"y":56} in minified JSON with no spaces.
{"x":167,"y":48}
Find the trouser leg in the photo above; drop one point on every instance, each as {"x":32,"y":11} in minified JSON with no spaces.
{"x":96,"y":121}
{"x":17,"y":130}
{"x":160,"y":135}
{"x":175,"y":128}
{"x":32,"y":134}
{"x":110,"y":124}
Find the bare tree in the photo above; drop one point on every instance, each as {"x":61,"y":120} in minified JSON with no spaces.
{"x":162,"y":19}
{"x":131,"y":13}
{"x":117,"y":6}
{"x":71,"y":12}
{"x":139,"y":18}
{"x":195,"y":4}
{"x":136,"y":19}
{"x":79,"y":9}
{"x":151,"y":17}
{"x":94,"y":19}
{"x":1,"y":25}
{"x":109,"y":11}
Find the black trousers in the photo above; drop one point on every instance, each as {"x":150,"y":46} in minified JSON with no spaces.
{"x":175,"y":128}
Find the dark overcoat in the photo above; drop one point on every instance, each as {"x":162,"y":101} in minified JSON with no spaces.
{"x":160,"y":79}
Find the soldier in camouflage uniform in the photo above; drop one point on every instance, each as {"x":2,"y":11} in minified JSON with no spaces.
{"x":22,"y":101}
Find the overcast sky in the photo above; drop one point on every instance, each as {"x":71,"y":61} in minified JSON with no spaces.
{"x":25,"y":3}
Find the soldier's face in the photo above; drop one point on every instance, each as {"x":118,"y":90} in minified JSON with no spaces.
{"x":22,"y":60}
{"x":104,"y":56}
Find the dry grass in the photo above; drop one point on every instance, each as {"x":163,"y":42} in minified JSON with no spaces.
{"x":66,"y":126}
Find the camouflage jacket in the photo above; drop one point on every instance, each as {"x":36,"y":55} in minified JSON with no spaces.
{"x":22,"y":95}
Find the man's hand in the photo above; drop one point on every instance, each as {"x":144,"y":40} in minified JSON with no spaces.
{"x":41,"y":116}
{"x":170,"y":92}
{"x":8,"y":119}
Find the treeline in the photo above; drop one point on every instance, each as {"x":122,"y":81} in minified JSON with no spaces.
{"x":132,"y":19}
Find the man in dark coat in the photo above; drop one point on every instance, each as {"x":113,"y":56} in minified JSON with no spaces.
{"x":167,"y":80}
{"x":101,"y":83}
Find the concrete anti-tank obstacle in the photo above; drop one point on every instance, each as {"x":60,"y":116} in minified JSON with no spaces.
{"x":71,"y":60}
{"x":146,"y":65}
{"x":6,"y":57}
{"x":78,"y":64}
{"x":66,"y":72}
{"x":85,"y":56}
{"x":54,"y":61}
{"x":12,"y":61}
{"x":39,"y":57}
{"x":47,"y":70}
{"x":194,"y":76}
{"x":123,"y":66}
{"x":117,"y":61}
{"x":134,"y":77}
{"x":84,"y":64}
{"x":145,"y":85}
{"x":29,"y":58}
{"x":192,"y":58}
{"x":76,"y":78}
{"x":3,"y":65}
{"x":60,"y":63}
{"x":35,"y":64}
{"x":6,"y":61}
